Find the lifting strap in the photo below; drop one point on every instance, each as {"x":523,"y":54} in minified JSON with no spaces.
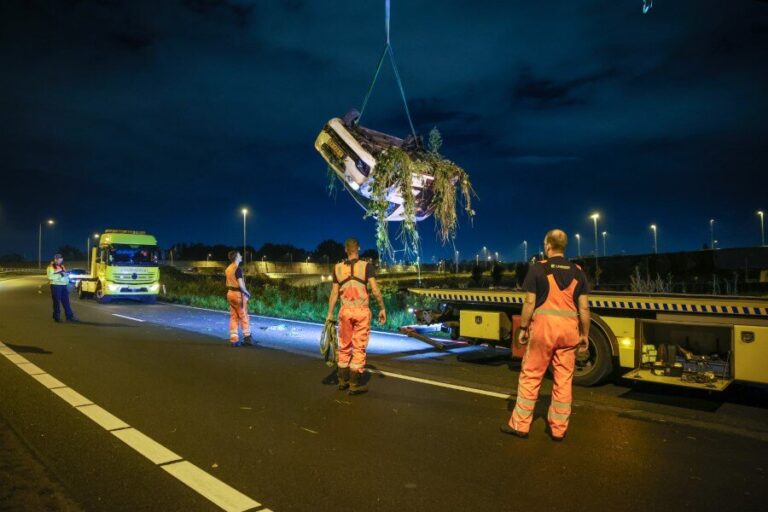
{"x":329,"y":343}
{"x":387,"y":51}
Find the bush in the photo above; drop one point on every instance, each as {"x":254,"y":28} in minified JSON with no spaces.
{"x":281,"y":300}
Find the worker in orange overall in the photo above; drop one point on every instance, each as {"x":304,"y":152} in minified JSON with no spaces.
{"x":554,"y":324}
{"x":237,"y":297}
{"x":350,"y":281}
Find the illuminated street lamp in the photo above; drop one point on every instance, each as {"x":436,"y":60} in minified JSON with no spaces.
{"x":655,"y":239}
{"x":761,"y":214}
{"x":578,"y":244}
{"x":245,"y":214}
{"x":605,"y":250}
{"x":525,"y":251}
{"x":208,"y":258}
{"x":456,"y":261}
{"x":49,"y":222}
{"x":711,"y":233}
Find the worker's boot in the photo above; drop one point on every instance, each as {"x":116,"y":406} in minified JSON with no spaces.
{"x":355,"y":387}
{"x":247,"y":341}
{"x":343,"y":374}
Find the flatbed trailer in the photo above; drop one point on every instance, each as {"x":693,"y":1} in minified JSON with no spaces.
{"x":696,"y":341}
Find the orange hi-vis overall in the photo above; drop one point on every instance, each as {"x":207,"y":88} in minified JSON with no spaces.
{"x":238,"y":306}
{"x":354,"y":314}
{"x":554,"y":339}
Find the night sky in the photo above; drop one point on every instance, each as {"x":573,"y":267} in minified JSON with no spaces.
{"x":171,"y":116}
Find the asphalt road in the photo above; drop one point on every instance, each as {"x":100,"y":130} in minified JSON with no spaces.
{"x":269,"y":426}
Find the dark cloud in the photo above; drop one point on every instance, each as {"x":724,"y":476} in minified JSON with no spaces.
{"x":174,"y":114}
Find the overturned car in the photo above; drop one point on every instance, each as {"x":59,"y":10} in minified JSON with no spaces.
{"x":350,"y":149}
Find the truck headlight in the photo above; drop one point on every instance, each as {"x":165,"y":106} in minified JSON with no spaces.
{"x":113,"y":287}
{"x":154,"y":287}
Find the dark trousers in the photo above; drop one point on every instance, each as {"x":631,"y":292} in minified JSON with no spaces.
{"x":60,"y":296}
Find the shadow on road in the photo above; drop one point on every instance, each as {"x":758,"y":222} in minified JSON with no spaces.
{"x":28,"y":349}
{"x":682,"y":398}
{"x":104,"y":324}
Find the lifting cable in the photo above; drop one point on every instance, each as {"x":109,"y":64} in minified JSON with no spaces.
{"x":387,"y":51}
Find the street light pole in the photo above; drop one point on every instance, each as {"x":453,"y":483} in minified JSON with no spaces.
{"x":711,"y":233}
{"x":40,"y":244}
{"x":761,"y":214}
{"x":525,"y":251}
{"x":605,"y":250}
{"x":456,"y":262}
{"x":245,"y":214}
{"x":655,"y":239}
{"x":578,"y":244}
{"x":594,"y":218}
{"x":88,"y":250}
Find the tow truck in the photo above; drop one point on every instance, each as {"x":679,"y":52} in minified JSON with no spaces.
{"x":696,"y":341}
{"x":123,"y":266}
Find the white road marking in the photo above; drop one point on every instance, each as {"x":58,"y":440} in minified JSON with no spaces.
{"x":49,"y":381}
{"x":211,"y":487}
{"x":102,"y":417}
{"x":15,"y":358}
{"x":128,"y":317}
{"x":71,"y":396}
{"x":146,"y":446}
{"x":31,"y":369}
{"x":439,"y":384}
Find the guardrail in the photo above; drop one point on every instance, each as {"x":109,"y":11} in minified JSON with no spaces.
{"x":4,"y":270}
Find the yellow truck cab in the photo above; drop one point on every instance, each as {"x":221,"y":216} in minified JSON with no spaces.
{"x":123,"y":266}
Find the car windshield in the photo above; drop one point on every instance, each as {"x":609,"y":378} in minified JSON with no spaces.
{"x":133,"y":255}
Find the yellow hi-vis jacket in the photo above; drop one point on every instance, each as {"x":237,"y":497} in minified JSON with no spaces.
{"x":57,"y":274}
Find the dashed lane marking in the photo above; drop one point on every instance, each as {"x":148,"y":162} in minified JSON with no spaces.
{"x":146,"y":446}
{"x":210,"y":487}
{"x":71,"y":396}
{"x":128,"y":317}
{"x":206,"y":485}
{"x":102,"y":417}
{"x":31,"y":369}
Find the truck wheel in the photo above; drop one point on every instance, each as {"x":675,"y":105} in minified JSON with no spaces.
{"x":80,"y":293}
{"x":594,"y":367}
{"x":100,"y":297}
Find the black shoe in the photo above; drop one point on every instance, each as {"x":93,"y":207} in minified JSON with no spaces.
{"x":248,"y":341}
{"x":355,"y":387}
{"x":57,"y":320}
{"x":236,"y":344}
{"x":509,"y":430}
{"x":343,"y":374}
{"x":557,"y":439}
{"x":74,"y":320}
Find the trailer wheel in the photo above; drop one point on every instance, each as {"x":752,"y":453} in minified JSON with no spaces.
{"x":594,"y":367}
{"x":80,"y":293}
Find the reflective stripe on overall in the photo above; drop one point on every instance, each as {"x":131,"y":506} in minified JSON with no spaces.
{"x":354,"y":314}
{"x":238,"y":306}
{"x":554,"y":338}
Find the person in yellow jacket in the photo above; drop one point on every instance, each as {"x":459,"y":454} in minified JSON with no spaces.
{"x":59,"y":279}
{"x":350,"y":282}
{"x":237,"y":298}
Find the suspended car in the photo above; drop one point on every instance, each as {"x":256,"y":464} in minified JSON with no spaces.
{"x":349,"y":150}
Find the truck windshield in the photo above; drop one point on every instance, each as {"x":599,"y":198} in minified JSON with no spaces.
{"x":133,"y":255}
